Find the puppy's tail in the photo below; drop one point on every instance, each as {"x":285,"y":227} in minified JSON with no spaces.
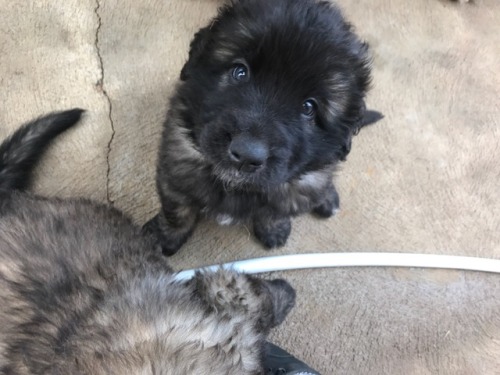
{"x":20,"y":152}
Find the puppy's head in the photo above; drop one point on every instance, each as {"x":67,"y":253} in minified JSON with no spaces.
{"x":263,"y":303}
{"x":275,"y":89}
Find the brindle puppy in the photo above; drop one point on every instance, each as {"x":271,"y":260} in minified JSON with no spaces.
{"x":266,"y":107}
{"x":83,"y":292}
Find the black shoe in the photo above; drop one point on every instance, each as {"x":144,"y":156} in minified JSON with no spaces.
{"x":279,"y":362}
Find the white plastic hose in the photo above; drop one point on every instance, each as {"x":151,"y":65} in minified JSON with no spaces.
{"x":324,"y":260}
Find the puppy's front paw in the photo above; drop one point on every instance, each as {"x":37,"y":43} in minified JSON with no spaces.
{"x":169,"y":241}
{"x":272,"y":233}
{"x":330,"y":206}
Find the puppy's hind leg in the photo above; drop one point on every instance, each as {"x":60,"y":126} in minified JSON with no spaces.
{"x":331,"y":204}
{"x":173,"y":225}
{"x":271,"y":230}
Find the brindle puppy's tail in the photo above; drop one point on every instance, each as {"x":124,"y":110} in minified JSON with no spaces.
{"x":20,"y":152}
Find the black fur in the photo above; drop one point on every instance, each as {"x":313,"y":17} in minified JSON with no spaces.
{"x":239,"y":147}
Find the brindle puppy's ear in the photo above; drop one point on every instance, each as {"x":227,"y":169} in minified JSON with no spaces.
{"x":196,"y":49}
{"x":282,"y":298}
{"x":274,"y":298}
{"x":263,"y":301}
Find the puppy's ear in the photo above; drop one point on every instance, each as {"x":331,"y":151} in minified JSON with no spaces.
{"x":229,"y":292}
{"x":364,"y":118}
{"x":196,"y":49}
{"x":370,"y":118}
{"x":282,"y":299}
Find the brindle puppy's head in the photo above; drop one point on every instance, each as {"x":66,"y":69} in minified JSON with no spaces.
{"x":274,"y":89}
{"x":263,"y":304}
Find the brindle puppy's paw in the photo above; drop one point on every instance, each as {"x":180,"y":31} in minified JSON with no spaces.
{"x":168,"y":240}
{"x":272,"y":233}
{"x":330,"y":206}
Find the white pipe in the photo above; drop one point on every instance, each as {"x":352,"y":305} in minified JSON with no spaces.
{"x":322,"y":260}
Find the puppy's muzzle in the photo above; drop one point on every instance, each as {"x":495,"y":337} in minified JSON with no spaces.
{"x":247,"y":153}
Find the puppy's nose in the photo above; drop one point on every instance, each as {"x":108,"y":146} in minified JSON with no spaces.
{"x":247,"y":153}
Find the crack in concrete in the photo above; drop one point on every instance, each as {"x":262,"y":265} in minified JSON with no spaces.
{"x":100,"y":85}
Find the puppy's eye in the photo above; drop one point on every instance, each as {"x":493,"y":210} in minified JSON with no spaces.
{"x":240,"y":72}
{"x":309,"y":108}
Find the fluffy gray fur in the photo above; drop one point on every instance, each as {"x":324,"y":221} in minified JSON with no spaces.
{"x":82,"y":291}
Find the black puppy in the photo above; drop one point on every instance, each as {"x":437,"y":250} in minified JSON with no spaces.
{"x":267,"y":104}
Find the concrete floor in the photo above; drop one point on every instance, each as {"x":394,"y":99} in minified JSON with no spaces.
{"x":425,"y":179}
